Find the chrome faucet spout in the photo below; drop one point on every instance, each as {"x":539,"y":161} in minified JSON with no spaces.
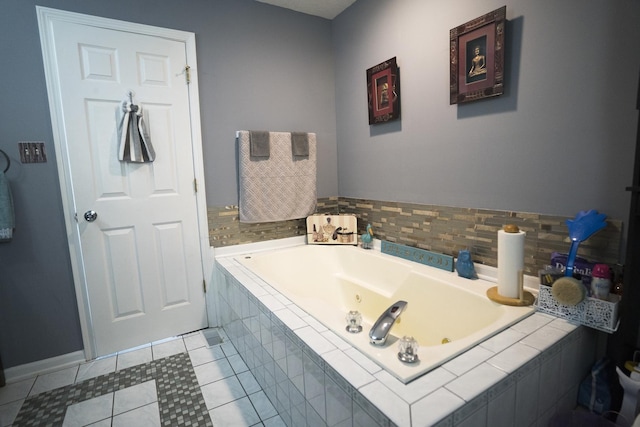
{"x":380,"y":330}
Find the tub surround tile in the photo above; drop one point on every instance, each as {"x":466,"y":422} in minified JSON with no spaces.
{"x":311,"y":321}
{"x":544,"y":337}
{"x":362,"y":360}
{"x":564,"y":324}
{"x":512,"y":358}
{"x":336,"y":340}
{"x":476,"y":381}
{"x":468,"y":360}
{"x":476,"y":419}
{"x":314,"y":340}
{"x":319,"y":366}
{"x":501,"y":407}
{"x":348,"y":368}
{"x":298,"y":311}
{"x":532,"y":323}
{"x":469,"y":412}
{"x":437,"y":228}
{"x":290,"y":319}
{"x":504,"y":339}
{"x":435,"y":407}
{"x":419,"y":387}
{"x":284,"y":300}
{"x":526,"y":398}
{"x":271,"y":303}
{"x":389,"y":403}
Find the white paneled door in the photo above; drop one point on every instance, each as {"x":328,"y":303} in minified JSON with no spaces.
{"x":135,"y":227}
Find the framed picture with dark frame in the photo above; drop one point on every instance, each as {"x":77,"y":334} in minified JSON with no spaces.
{"x":477,"y":58}
{"x":383,"y":91}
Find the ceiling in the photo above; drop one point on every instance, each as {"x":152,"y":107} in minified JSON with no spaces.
{"x":328,"y":9}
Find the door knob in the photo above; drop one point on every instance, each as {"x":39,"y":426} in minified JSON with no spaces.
{"x":90,"y":215}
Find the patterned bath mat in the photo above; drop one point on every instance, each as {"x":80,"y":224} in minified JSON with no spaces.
{"x":179,"y":397}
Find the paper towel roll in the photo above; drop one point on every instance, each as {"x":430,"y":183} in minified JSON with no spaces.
{"x":510,"y":263}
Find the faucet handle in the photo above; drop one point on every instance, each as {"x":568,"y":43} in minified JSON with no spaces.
{"x":354,"y":321}
{"x":408,"y":349}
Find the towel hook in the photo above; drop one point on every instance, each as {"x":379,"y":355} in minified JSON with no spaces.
{"x":8,"y":161}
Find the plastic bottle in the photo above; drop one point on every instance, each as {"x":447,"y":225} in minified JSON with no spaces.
{"x":601,"y":281}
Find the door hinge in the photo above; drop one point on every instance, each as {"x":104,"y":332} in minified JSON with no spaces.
{"x":204,"y":286}
{"x":187,"y":74}
{"x":195,"y":185}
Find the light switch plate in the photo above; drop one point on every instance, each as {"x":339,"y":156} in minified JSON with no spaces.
{"x":32,"y":152}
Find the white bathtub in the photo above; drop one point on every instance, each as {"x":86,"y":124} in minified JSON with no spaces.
{"x":329,"y":281}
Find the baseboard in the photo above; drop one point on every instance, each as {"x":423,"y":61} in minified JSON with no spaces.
{"x":28,"y":370}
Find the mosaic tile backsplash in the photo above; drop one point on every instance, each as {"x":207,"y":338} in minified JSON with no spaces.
{"x":440,"y":229}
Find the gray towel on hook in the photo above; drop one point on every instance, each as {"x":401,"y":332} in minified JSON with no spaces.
{"x":300,"y":143}
{"x":7,"y":216}
{"x":259,"y":146}
{"x":134,"y":142}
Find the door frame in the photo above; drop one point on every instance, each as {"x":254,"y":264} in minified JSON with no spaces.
{"x":46,"y":16}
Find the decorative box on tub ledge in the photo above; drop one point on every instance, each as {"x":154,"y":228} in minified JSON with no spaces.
{"x":592,"y":312}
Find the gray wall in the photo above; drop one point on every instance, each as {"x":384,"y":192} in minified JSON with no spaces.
{"x":260,"y":67}
{"x":560,"y":140}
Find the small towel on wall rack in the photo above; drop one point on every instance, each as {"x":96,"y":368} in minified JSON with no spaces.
{"x":7,"y":215}
{"x":8,"y":160}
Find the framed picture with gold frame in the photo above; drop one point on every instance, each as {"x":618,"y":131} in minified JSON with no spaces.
{"x":477,"y":58}
{"x":383,"y":90}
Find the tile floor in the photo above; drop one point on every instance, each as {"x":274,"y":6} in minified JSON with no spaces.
{"x":178,"y":381}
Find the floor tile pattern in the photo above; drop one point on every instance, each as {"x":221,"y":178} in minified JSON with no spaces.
{"x":179,"y":398}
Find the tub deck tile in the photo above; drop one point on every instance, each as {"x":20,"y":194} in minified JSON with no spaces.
{"x":532,"y":323}
{"x":418,"y":388}
{"x":314,"y":340}
{"x":337,"y":341}
{"x":513,"y":357}
{"x":473,"y":383}
{"x":348,"y":368}
{"x":395,"y":408}
{"x":468,"y":360}
{"x":290,"y":319}
{"x":271,"y":302}
{"x":503,"y":340}
{"x":363,"y":360}
{"x":544,"y":337}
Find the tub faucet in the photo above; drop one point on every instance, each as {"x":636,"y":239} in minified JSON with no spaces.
{"x":380,"y":330}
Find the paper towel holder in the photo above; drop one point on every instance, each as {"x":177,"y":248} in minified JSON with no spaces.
{"x":526,"y":298}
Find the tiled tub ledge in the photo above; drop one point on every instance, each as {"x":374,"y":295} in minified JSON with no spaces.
{"x":521,"y":376}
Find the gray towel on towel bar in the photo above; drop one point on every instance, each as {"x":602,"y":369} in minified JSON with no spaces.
{"x":300,"y":143}
{"x":259,"y":143}
{"x":279,"y":188}
{"x":7,"y":216}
